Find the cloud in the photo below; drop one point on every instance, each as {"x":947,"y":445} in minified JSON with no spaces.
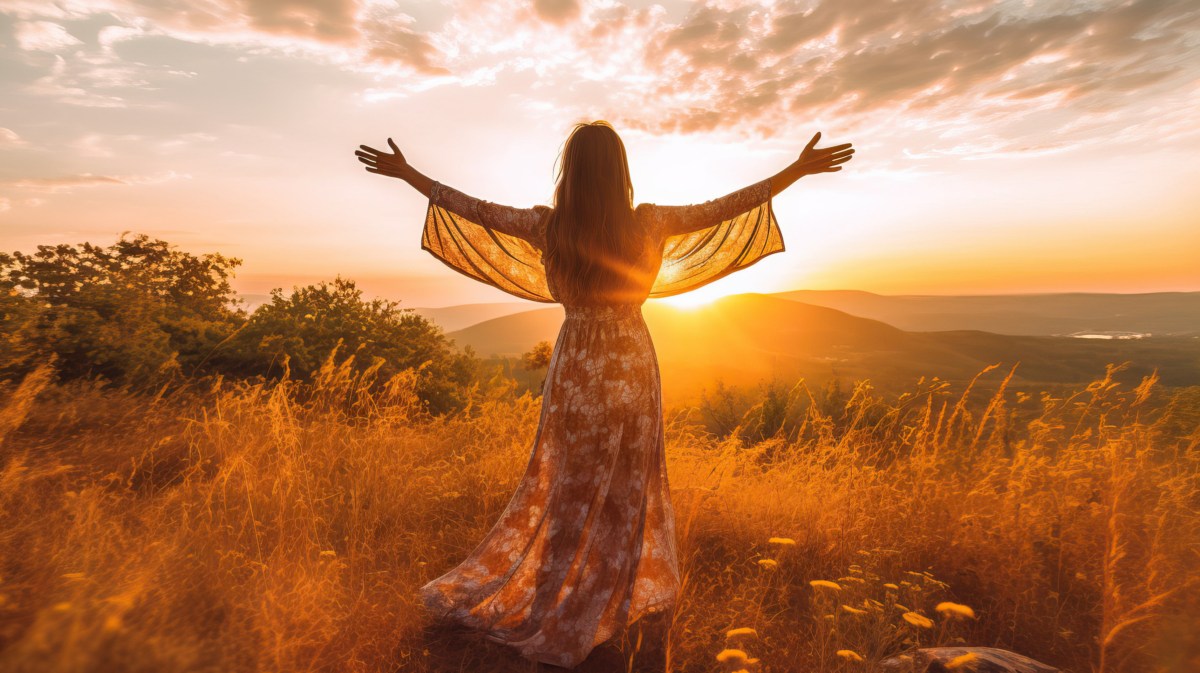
{"x":556,"y":11}
{"x":388,"y":36}
{"x":101,"y":145}
{"x":70,"y":182}
{"x":926,"y":68}
{"x":736,"y":66}
{"x":320,"y":20}
{"x":43,"y":36}
{"x":10,"y":139}
{"x":64,"y":182}
{"x":75,"y":85}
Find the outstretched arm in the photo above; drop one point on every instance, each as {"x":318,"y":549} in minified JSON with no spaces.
{"x":393,"y":165}
{"x":676,"y":220}
{"x":811,"y":161}
{"x":524,"y":223}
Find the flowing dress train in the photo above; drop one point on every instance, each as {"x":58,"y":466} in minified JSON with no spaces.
{"x":586,"y":544}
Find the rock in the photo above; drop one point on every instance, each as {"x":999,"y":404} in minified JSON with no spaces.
{"x":987,"y":660}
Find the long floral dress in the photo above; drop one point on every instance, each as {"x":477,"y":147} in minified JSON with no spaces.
{"x":587,"y":544}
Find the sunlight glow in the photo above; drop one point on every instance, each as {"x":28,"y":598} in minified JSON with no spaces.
{"x":699,"y":297}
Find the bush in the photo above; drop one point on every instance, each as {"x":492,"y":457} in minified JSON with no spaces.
{"x":123,"y":313}
{"x":294,"y":335}
{"x":140,"y":311}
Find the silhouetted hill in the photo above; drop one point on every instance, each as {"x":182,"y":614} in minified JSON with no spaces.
{"x":1156,"y":313}
{"x":511,"y":334}
{"x":452,"y":318}
{"x":744,"y":338}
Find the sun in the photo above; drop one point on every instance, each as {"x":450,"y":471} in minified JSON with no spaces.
{"x":696,"y":298}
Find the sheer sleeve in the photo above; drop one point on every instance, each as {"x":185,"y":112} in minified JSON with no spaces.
{"x":494,"y":244}
{"x":707,"y":241}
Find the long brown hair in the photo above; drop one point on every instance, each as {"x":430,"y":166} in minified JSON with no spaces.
{"x":593,"y":244}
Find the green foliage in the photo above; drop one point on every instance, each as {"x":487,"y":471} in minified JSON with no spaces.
{"x":293,"y":335}
{"x":139,"y":311}
{"x":538,"y":357}
{"x":123,"y":312}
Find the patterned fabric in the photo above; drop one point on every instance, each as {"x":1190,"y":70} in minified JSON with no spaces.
{"x":503,"y":246}
{"x":586,"y":545}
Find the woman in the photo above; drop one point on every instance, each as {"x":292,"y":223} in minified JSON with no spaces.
{"x":586,"y":545}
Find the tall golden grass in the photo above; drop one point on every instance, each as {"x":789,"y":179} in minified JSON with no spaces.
{"x":237,"y":527}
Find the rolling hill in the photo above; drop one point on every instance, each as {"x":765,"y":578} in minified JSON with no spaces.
{"x":464,"y":315}
{"x":745,"y":338}
{"x":1156,"y":313}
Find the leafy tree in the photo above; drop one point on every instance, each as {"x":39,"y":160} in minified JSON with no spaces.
{"x":296,"y":333}
{"x":123,"y":312}
{"x":18,"y":314}
{"x":538,"y":357}
{"x":133,"y":310}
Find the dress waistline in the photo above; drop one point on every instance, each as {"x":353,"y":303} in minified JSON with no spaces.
{"x":604,"y":312}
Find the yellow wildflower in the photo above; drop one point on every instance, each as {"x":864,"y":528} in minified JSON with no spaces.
{"x":769,"y":564}
{"x":782,"y":540}
{"x":731,"y":655}
{"x":744,"y":631}
{"x":956,"y":611}
{"x":849,"y":655}
{"x":853,"y":611}
{"x":825,"y":584}
{"x":917,"y":620}
{"x":891,"y":586}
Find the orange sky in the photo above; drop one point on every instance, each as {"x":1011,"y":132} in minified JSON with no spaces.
{"x":1002,"y":147}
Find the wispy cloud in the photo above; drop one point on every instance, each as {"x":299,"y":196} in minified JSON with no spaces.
{"x":63,"y":183}
{"x":43,"y":36}
{"x":759,"y":67}
{"x":70,"y":182}
{"x":10,"y":139}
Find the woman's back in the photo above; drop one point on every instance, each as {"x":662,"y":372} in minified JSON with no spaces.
{"x":634,"y":272}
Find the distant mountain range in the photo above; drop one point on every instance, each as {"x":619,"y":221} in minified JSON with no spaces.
{"x":453,"y":318}
{"x":1156,"y":313}
{"x":745,"y":338}
{"x":1054,"y":314}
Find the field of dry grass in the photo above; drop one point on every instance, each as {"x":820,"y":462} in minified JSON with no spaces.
{"x":233,"y":527}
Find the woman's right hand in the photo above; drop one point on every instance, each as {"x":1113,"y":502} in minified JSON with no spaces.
{"x":825,"y":160}
{"x":392,"y":165}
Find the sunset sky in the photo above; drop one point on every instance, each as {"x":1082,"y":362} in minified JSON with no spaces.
{"x":1002,"y":146}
